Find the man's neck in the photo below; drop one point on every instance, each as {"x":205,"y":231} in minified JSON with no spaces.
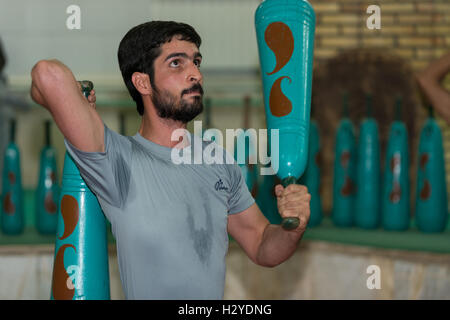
{"x":160,"y":131}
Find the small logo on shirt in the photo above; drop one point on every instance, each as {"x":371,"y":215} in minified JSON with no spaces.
{"x":219,"y":185}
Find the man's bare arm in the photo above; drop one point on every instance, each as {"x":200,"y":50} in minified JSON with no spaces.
{"x":430,"y":82}
{"x":266,"y":244}
{"x":56,"y":89}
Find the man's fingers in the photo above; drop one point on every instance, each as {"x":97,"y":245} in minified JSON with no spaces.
{"x":294,"y":201}
{"x":293,"y":205}
{"x":292,"y":188}
{"x":92,"y":97}
{"x":295,"y":188}
{"x":279,"y":190}
{"x":295,"y":197}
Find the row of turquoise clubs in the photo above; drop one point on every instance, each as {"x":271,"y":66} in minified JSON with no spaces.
{"x":380,"y":199}
{"x":47,"y":193}
{"x":12,"y":214}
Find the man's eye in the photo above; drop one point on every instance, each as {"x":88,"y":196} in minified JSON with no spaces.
{"x":197,"y":63}
{"x":174,"y":63}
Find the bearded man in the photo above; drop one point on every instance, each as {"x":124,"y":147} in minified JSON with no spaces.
{"x":169,"y":221}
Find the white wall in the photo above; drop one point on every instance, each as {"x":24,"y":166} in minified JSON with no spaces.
{"x":316,"y":271}
{"x":226,"y":27}
{"x":36,"y":29}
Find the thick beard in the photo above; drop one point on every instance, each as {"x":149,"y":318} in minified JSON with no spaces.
{"x":167,"y":107}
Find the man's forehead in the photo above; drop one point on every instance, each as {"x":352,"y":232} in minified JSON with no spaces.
{"x":177,"y":45}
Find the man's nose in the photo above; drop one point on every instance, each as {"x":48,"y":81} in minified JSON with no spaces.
{"x":194,"y":74}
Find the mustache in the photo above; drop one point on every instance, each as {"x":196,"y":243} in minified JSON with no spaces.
{"x":195,"y":88}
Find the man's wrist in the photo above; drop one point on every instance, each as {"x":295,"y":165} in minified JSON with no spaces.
{"x":295,"y":234}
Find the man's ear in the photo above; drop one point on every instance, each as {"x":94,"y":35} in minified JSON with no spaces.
{"x":141,"y":82}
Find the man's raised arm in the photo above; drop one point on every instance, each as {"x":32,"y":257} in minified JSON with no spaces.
{"x":56,"y":89}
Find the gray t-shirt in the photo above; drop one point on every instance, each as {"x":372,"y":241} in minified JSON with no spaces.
{"x":169,"y":220}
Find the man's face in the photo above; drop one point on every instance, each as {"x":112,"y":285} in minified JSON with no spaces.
{"x":177,"y":86}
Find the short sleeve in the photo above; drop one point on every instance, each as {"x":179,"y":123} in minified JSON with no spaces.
{"x":107,"y":173}
{"x":240,"y":197}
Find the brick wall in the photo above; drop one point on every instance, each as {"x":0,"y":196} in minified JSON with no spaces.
{"x":415,"y":30}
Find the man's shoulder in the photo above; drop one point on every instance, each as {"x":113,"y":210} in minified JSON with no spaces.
{"x":116,"y":140}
